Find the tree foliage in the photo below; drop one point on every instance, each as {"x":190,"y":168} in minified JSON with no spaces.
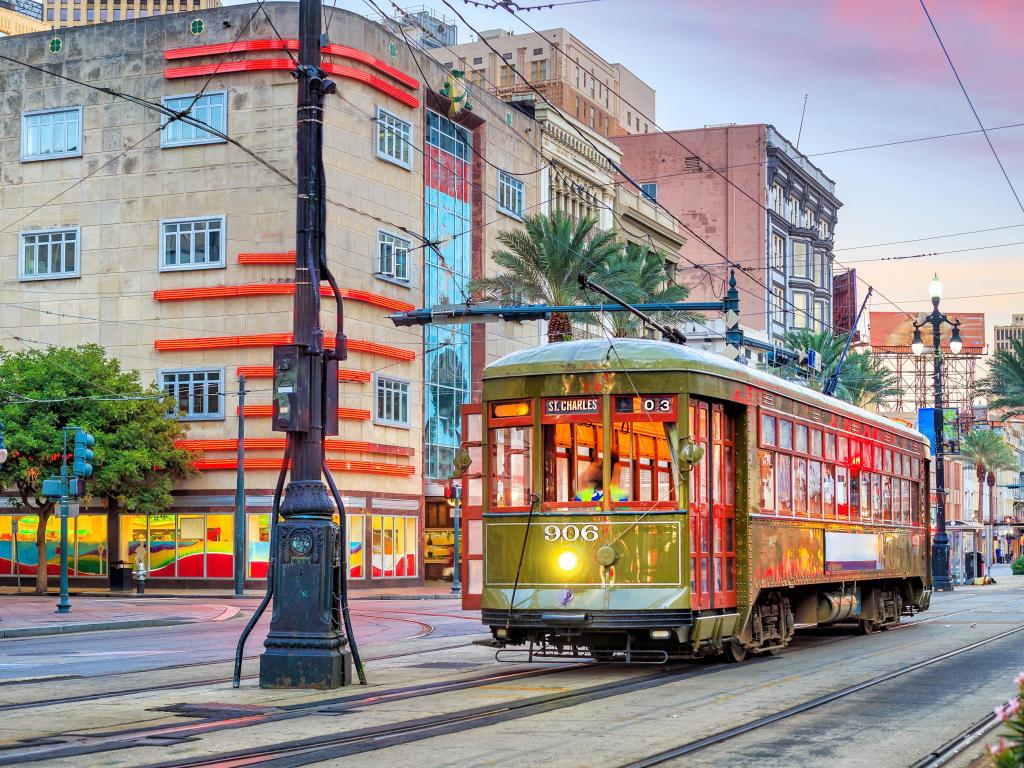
{"x":136,"y":462}
{"x":542,"y":260}
{"x":863,"y":380}
{"x":1003,"y":387}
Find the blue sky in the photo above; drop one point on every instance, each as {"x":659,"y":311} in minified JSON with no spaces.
{"x":873,"y":72}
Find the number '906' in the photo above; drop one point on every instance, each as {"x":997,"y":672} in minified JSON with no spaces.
{"x":570,"y":533}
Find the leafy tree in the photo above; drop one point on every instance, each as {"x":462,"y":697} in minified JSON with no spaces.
{"x":863,"y":380}
{"x":1004,"y":385}
{"x":136,"y":463}
{"x":542,"y":261}
{"x":639,"y":276}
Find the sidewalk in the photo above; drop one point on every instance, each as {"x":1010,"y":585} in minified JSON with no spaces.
{"x":431,"y":590}
{"x":31,"y":616}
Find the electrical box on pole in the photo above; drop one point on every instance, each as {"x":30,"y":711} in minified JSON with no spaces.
{"x":291,"y":389}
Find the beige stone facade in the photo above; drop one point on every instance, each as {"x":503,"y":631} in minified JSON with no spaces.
{"x":136,"y":201}
{"x":604,"y":96}
{"x":75,"y":13}
{"x":15,"y":21}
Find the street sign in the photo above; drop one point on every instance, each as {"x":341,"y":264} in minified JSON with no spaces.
{"x":72,"y":509}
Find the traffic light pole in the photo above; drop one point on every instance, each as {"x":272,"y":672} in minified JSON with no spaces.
{"x":306,"y":646}
{"x":64,"y":604}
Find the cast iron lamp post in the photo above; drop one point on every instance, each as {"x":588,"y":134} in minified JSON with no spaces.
{"x":940,"y":544}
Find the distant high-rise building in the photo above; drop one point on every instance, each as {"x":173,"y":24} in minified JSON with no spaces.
{"x":604,"y":96}
{"x":60,"y":14}
{"x":1005,"y":334}
{"x":20,"y":16}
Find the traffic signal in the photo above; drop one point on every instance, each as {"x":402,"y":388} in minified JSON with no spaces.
{"x":83,"y":456}
{"x":452,"y":493}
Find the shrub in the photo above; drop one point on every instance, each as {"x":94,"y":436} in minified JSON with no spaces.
{"x":1018,"y":566}
{"x":1009,"y":752}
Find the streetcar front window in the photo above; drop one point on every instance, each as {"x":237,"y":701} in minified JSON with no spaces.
{"x":510,"y":467}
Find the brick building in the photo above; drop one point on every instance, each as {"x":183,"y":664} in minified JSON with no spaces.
{"x":606,"y":97}
{"x":774,"y":213}
{"x":176,"y":259}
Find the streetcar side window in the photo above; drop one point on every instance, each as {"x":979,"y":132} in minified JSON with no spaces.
{"x":644,"y":470}
{"x":785,"y":435}
{"x":814,"y":488}
{"x":828,"y":491}
{"x":511,"y":466}
{"x":767,"y":430}
{"x":766,"y":473}
{"x":842,"y":493}
{"x":830,"y":446}
{"x":784,"y":478}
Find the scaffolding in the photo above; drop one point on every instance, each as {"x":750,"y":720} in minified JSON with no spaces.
{"x":914,"y":375}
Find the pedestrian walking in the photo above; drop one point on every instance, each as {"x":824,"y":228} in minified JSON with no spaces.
{"x":999,"y":555}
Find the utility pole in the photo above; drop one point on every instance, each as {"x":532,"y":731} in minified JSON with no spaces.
{"x":240,"y":494}
{"x":307,"y":646}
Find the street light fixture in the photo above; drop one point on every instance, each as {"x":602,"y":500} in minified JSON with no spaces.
{"x":940,"y":545}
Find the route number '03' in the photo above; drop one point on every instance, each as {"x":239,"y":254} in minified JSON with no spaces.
{"x":570,"y":532}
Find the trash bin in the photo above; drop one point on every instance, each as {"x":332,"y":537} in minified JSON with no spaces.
{"x":974,"y":565}
{"x":121,"y":576}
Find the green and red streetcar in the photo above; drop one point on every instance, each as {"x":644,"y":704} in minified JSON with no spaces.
{"x":637,"y":500}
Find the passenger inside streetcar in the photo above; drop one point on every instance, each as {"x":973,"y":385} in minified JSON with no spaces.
{"x":591,"y":486}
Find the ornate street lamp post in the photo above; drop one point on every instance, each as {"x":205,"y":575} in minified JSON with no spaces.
{"x":940,"y":544}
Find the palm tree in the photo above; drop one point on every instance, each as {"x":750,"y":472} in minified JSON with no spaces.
{"x":990,"y":453}
{"x":1004,"y":385}
{"x":542,"y":261}
{"x":640,"y":275}
{"x":863,"y":380}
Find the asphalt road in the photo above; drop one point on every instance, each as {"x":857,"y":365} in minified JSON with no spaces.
{"x":434,"y":696}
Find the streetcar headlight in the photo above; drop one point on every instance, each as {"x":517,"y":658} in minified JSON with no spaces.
{"x":568,"y":561}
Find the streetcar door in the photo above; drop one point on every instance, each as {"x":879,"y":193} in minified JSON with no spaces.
{"x":713,"y":507}
{"x":471,"y":531}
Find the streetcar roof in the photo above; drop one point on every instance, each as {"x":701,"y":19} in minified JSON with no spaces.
{"x":594,"y":355}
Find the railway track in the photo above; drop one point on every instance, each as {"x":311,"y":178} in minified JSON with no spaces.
{"x":754,"y":725}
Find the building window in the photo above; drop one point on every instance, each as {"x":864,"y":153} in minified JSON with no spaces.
{"x":192,"y":243}
{"x":393,"y":257}
{"x":197,"y":393}
{"x":393,"y":546}
{"x":779,"y":305}
{"x":50,"y":134}
{"x":778,"y":199}
{"x":820,"y":315}
{"x":778,"y":252}
{"x":810,"y":218}
{"x":538,"y":51}
{"x":591,"y":117}
{"x":794,"y":210}
{"x":49,"y":255}
{"x":801,"y":310}
{"x":510,"y":195}
{"x":210,"y":109}
{"x":539,"y":70}
{"x":478,"y":60}
{"x":394,"y":139}
{"x":801,"y":260}
{"x":649,"y":190}
{"x":821,"y":270}
{"x":824,"y":229}
{"x":505,"y":75}
{"x":391,"y":401}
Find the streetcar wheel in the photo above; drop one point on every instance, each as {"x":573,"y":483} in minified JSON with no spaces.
{"x":735,"y":653}
{"x":866,"y":626}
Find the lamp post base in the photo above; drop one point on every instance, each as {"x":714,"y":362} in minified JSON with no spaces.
{"x":941,"y":581}
{"x":306,"y":646}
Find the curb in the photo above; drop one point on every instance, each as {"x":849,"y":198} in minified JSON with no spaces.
{"x":95,"y":626}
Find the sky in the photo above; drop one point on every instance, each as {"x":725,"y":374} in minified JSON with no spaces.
{"x":872,"y":72}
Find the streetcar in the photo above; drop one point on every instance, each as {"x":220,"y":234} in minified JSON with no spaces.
{"x":640,"y":501}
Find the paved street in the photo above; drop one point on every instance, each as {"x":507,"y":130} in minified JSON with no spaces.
{"x":162,"y":696}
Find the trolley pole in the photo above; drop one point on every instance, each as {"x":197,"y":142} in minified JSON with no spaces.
{"x":306,"y":646}
{"x":240,"y":494}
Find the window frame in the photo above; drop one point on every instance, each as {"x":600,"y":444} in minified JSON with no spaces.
{"x":27,"y":158}
{"x":219,"y":416}
{"x":409,"y":140}
{"x":513,"y":186}
{"x":162,"y":265}
{"x":647,"y":195}
{"x":383,"y":421}
{"x":165,"y":143}
{"x":392,"y":278}
{"x":77,"y":272}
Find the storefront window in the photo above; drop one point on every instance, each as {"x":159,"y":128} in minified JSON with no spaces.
{"x":7,"y":528}
{"x":182,"y":546}
{"x":220,"y":546}
{"x":90,"y":545}
{"x":87,"y":545}
{"x":356,"y":532}
{"x":257,"y":542}
{"x":394,"y":547}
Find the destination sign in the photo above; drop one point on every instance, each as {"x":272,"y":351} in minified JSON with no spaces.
{"x":571,"y":406}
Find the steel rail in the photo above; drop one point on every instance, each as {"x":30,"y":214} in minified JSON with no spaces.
{"x":807,"y":706}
